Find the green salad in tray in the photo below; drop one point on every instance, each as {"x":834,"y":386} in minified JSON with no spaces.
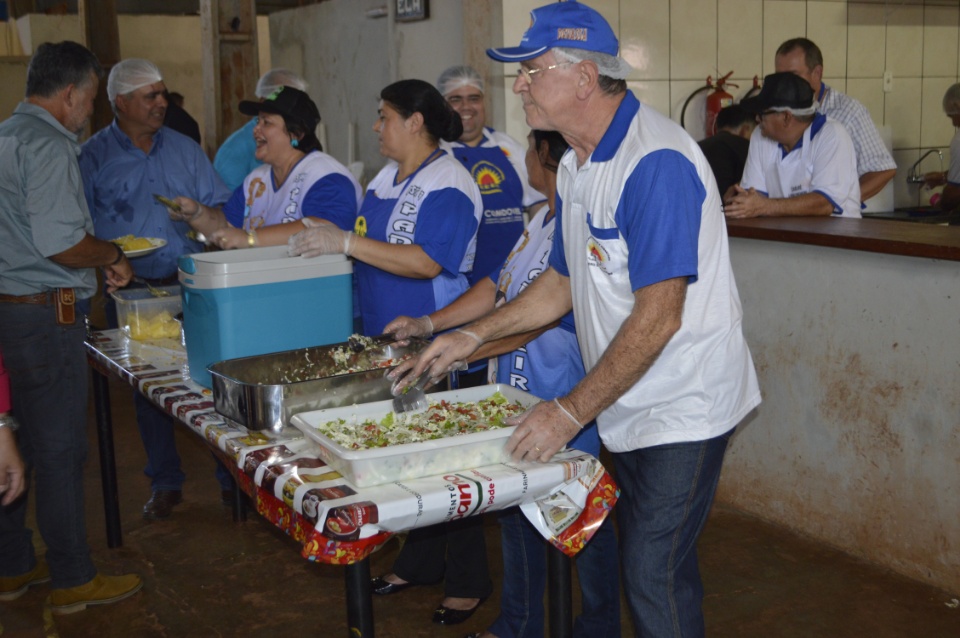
{"x":441,"y":420}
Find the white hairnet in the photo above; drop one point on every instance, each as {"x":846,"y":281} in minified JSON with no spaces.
{"x":129,"y":75}
{"x":275,"y":78}
{"x":458,"y":77}
{"x":611,"y":66}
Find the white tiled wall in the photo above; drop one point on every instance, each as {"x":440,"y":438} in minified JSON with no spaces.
{"x":675,"y":44}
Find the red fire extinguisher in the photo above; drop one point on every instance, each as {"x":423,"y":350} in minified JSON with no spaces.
{"x":716,"y":101}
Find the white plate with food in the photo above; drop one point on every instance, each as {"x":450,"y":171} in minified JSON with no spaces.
{"x":139,"y":246}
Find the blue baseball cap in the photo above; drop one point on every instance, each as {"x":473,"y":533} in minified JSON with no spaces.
{"x":561,"y":24}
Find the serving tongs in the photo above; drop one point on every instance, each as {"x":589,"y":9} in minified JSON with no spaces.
{"x":413,"y":398}
{"x":359,"y":344}
{"x":156,"y":292}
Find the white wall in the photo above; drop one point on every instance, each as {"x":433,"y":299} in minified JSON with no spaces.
{"x":856,"y":442}
{"x":347,"y":58}
{"x":171,"y":42}
{"x":673,"y":54}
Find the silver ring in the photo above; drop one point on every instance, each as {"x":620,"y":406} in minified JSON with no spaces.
{"x":537,"y":449}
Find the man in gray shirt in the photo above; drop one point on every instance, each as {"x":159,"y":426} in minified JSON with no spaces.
{"x":47,"y":259}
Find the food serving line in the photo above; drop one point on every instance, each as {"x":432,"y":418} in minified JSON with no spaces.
{"x":290,"y":481}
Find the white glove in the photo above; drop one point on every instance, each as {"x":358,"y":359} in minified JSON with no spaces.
{"x":320,"y":238}
{"x":405,"y":327}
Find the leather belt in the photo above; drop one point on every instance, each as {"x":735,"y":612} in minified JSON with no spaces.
{"x":64,"y":300}
{"x":41,"y":298}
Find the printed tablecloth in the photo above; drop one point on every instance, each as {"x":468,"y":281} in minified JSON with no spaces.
{"x":337,"y":523}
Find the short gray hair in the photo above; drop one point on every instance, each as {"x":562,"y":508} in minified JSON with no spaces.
{"x":275,"y":78}
{"x":951,"y":100}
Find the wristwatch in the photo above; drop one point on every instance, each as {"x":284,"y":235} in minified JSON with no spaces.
{"x":8,"y":421}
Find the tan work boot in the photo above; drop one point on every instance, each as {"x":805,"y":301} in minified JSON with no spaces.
{"x":13,"y":587}
{"x":102,"y":590}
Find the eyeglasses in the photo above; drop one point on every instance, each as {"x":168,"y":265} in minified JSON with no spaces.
{"x":528,"y":74}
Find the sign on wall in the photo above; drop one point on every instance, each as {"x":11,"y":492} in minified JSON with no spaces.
{"x":412,"y":10}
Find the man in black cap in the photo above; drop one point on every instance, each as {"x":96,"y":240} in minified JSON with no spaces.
{"x":800,"y":163}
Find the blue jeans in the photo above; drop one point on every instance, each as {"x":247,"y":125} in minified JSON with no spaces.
{"x":525,"y":577}
{"x":48,"y":371}
{"x":666,"y":493}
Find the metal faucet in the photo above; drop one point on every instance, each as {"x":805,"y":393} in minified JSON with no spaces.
{"x":913,"y":177}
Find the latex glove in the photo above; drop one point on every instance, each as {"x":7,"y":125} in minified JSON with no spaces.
{"x":541,"y":432}
{"x":189,"y":210}
{"x":320,"y":238}
{"x":230,"y":238}
{"x":404,"y":327}
{"x":447,"y":353}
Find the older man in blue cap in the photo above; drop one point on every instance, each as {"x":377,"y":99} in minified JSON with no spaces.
{"x":640,"y":255}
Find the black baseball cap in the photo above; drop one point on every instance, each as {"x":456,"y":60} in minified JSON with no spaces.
{"x":291,"y":103}
{"x":781,"y":91}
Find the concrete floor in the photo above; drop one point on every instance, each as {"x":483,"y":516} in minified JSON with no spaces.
{"x":209,"y":577}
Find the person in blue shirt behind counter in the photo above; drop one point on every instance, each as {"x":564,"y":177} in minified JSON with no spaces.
{"x":123,"y":166}
{"x":414,"y":239}
{"x":547,"y":364}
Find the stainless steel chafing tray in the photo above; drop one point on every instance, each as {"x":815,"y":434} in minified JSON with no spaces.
{"x":262,"y":392}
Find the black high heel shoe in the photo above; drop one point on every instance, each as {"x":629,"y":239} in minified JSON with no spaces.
{"x":443,"y":615}
{"x":382,"y":587}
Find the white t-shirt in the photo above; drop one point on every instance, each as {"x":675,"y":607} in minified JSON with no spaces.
{"x":823,"y":161}
{"x":642,"y":209}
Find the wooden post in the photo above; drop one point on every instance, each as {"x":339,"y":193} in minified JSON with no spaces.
{"x":98,"y":19}
{"x":229,"y":64}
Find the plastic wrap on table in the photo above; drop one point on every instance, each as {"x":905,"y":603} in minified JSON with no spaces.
{"x":337,"y":522}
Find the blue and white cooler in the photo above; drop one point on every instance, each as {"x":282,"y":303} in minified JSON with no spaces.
{"x":242,"y":303}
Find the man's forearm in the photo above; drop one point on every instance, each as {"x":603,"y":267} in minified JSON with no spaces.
{"x":544,"y":301}
{"x":655,"y":318}
{"x":90,"y":253}
{"x":806,"y":205}
{"x":873,"y":183}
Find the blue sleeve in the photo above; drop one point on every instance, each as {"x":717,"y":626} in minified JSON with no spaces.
{"x":233,"y":209}
{"x":558,"y":258}
{"x":334,"y":199}
{"x":659,"y":218}
{"x":445,"y":226}
{"x":211,"y":190}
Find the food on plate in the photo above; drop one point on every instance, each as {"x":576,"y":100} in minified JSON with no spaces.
{"x":160,"y":326}
{"x":130,"y":243}
{"x":441,"y":420}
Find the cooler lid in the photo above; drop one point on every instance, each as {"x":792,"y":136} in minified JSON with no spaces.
{"x":248,"y":266}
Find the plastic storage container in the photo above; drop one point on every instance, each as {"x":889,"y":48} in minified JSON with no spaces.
{"x":241,"y":303}
{"x":375,"y":466}
{"x":144,"y":316}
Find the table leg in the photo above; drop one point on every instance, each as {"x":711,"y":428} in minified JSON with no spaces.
{"x":359,"y":600}
{"x":560,"y":603}
{"x":108,"y":465}
{"x":239,"y":505}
